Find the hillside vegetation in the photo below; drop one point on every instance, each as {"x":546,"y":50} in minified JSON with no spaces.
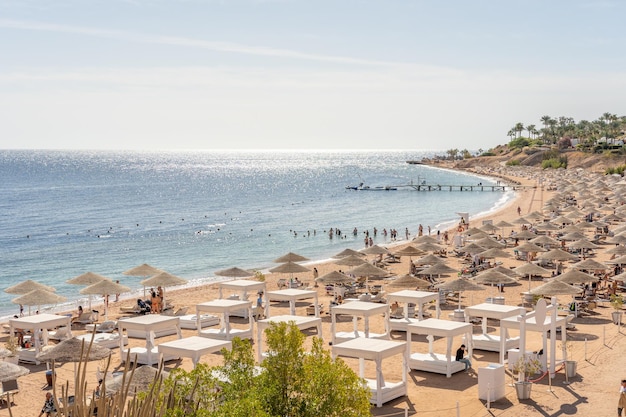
{"x":597,"y":146}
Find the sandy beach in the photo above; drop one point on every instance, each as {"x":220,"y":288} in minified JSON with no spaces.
{"x":596,"y":343}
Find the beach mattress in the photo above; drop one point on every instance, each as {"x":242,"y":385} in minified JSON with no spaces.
{"x":159,"y":333}
{"x":434,"y":362}
{"x":400,"y":324}
{"x":390,"y":391}
{"x":345,"y":336}
{"x":206,"y":320}
{"x":140,"y":356}
{"x":221,"y":334}
{"x":108,"y":340}
{"x":491,"y":342}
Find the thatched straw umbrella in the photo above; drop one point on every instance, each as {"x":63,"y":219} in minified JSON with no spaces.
{"x":234,"y":273}
{"x":290,"y":257}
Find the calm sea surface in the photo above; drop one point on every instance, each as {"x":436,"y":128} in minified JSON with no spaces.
{"x":193,"y":213}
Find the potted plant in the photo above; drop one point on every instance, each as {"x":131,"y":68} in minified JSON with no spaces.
{"x":617,"y":302}
{"x":12,"y":346}
{"x":570,"y":365}
{"x":524,"y":367}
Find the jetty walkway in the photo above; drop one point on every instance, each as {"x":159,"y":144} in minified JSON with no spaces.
{"x":477,"y":187}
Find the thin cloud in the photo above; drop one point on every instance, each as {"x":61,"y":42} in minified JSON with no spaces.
{"x":189,"y":42}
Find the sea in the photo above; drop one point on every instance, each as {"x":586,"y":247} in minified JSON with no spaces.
{"x":192,"y":213}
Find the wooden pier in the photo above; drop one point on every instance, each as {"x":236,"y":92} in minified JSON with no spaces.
{"x":478,"y":187}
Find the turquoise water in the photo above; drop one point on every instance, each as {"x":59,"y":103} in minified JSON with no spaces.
{"x":193,"y":213}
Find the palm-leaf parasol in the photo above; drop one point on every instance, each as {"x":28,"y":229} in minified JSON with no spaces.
{"x":409,"y":281}
{"x":460,"y":285}
{"x":574,"y":276}
{"x":9,"y":371}
{"x":38,"y":298}
{"x":137,"y":380}
{"x":234,"y":273}
{"x":105,"y":287}
{"x":350,"y":260}
{"x":290,"y":257}
{"x":529,"y":269}
{"x":348,"y":252}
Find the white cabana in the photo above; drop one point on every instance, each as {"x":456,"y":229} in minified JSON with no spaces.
{"x":439,"y":363}
{"x":377,"y":350}
{"x":241,"y":288}
{"x":223,"y":309}
{"x":149,"y":327}
{"x":292,"y":295}
{"x":38,"y":325}
{"x":491,"y":342}
{"x":418,"y":298}
{"x":358,"y":309}
{"x":543,"y":319}
{"x":193,"y":347}
{"x":302,"y":322}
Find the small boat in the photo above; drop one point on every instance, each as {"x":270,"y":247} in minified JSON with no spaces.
{"x":362,"y":187}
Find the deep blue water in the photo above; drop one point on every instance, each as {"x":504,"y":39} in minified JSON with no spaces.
{"x":193,"y":213}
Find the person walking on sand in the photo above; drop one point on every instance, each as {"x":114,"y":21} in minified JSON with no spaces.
{"x":621,"y":404}
{"x":259,"y":305}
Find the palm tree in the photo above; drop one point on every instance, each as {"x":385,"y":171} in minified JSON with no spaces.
{"x":545,"y":120}
{"x":511,"y":134}
{"x":519,"y":127}
{"x":552,"y":124}
{"x":531,"y":131}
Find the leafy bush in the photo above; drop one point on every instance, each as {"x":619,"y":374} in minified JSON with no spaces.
{"x":290,"y":381}
{"x":553,"y":159}
{"x":519,"y":142}
{"x":616,"y":170}
{"x":554,"y":163}
{"x":513,"y":162}
{"x":488,"y":153}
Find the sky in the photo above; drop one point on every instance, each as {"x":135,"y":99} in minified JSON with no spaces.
{"x":295,"y":74}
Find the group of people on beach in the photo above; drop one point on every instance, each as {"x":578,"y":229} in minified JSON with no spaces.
{"x":156,"y":300}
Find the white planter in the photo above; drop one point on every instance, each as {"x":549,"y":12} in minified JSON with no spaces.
{"x":617,"y":317}
{"x":570,"y":369}
{"x":523,"y":390}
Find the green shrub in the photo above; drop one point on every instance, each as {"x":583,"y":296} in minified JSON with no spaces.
{"x":519,"y":142}
{"x":616,"y":170}
{"x":554,"y":163}
{"x":513,"y":162}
